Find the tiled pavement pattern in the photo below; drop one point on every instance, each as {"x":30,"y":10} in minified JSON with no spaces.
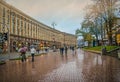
{"x":53,"y":67}
{"x":6,"y":56}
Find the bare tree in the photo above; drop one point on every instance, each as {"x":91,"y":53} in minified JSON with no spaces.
{"x":104,"y":10}
{"x":108,"y":7}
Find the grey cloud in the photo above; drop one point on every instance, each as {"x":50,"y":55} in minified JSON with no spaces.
{"x":61,"y":11}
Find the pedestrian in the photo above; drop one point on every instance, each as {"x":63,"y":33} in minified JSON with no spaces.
{"x":33,"y":51}
{"x":62,"y":50}
{"x":46,"y":49}
{"x":23,"y":50}
{"x":72,"y":50}
{"x":66,"y":50}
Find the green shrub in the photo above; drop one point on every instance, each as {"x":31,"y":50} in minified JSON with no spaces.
{"x":99,"y":48}
{"x":16,"y":59}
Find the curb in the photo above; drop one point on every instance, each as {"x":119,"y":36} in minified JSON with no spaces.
{"x":19,"y":58}
{"x":98,"y":52}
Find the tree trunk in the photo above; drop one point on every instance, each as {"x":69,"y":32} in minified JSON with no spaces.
{"x":97,"y":41}
{"x":110,"y":39}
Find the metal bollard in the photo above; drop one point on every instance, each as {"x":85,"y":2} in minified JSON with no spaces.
{"x":104,"y":51}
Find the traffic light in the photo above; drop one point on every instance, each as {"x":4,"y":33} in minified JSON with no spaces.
{"x":5,"y":36}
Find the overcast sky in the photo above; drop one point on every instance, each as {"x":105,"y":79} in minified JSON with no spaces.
{"x":67,"y":14}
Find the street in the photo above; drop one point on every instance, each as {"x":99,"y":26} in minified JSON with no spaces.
{"x":53,"y":67}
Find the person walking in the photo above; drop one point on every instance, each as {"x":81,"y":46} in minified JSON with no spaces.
{"x":66,"y":50}
{"x":72,"y":49}
{"x":62,"y":50}
{"x":23,"y":50}
{"x":33,"y":51}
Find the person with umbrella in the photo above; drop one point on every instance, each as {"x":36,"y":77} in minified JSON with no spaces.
{"x":23,"y":50}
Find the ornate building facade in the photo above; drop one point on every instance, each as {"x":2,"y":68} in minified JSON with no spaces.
{"x":23,"y":29}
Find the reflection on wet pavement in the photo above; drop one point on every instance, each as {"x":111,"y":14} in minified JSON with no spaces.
{"x":53,"y":67}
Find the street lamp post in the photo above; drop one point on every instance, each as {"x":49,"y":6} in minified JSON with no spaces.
{"x":54,"y":46}
{"x":54,"y":24}
{"x":64,"y":39}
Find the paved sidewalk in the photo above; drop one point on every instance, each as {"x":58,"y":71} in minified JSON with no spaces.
{"x":53,"y":67}
{"x":5,"y":57}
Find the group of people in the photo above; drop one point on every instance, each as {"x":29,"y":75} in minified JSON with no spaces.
{"x":62,"y":49}
{"x":23,"y":51}
{"x":65,"y":50}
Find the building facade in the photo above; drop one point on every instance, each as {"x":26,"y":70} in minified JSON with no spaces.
{"x":23,"y":29}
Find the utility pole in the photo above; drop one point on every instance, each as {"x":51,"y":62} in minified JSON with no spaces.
{"x":53,"y":36}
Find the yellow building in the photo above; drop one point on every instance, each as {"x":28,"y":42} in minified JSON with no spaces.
{"x":116,"y":31}
{"x":23,"y":29}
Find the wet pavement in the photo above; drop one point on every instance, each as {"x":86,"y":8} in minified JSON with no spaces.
{"x":13,"y":55}
{"x":53,"y":67}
